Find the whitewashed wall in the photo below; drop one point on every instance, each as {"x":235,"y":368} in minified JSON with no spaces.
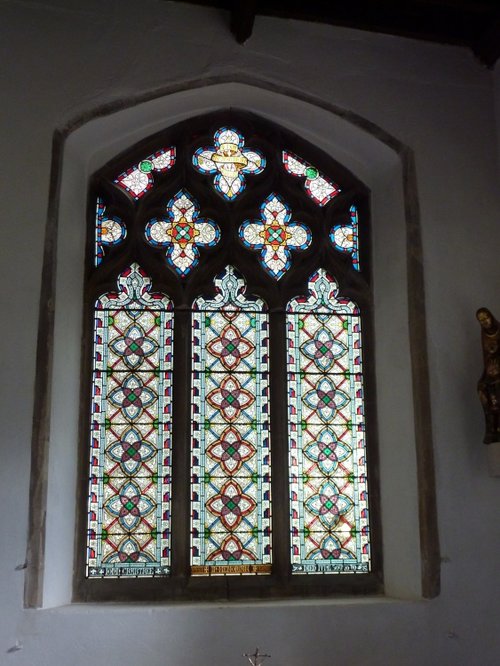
{"x":62,"y":58}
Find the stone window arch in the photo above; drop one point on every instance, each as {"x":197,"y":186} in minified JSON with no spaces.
{"x":386,"y":168}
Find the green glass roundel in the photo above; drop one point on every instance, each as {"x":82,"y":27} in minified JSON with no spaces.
{"x":146,"y":166}
{"x":312,"y":172}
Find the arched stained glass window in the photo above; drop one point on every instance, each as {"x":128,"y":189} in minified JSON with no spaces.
{"x":230,"y":372}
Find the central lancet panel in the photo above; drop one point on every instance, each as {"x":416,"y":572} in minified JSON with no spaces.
{"x":230,"y":508}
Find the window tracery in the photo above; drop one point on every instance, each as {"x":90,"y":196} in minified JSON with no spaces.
{"x":259,"y":297}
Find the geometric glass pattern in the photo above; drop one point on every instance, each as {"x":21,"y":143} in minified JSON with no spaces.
{"x":139,"y":178}
{"x":327,"y":459}
{"x":230,"y":490}
{"x":182,"y":233}
{"x":345,"y":237}
{"x":318,"y":187}
{"x":108,"y":231}
{"x":128,"y":530}
{"x":275,"y":236}
{"x":230,"y":161}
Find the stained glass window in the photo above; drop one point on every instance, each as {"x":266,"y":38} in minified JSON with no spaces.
{"x":275,"y":236}
{"x":230,"y":161}
{"x":182,"y":233}
{"x":328,"y":474}
{"x":235,"y":254}
{"x":345,"y":237}
{"x":138,"y":179}
{"x":129,"y":494}
{"x":108,"y":230}
{"x":231,"y":510}
{"x":318,"y":187}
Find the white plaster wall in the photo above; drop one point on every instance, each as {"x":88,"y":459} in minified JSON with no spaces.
{"x":62,"y":58}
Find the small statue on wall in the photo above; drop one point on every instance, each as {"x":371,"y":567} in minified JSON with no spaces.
{"x":488,"y":386}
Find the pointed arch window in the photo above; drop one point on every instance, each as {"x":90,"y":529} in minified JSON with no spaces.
{"x":229,"y":368}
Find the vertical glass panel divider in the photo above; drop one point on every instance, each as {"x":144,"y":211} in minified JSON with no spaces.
{"x":180,"y":450}
{"x":279,"y":452}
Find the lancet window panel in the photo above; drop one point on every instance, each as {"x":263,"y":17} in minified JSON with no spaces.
{"x":328,"y":472}
{"x":229,"y":364}
{"x":231,"y":473}
{"x":130,"y":464}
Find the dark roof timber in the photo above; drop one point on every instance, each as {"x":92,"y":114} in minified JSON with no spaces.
{"x":242,"y":19}
{"x":469,"y":23}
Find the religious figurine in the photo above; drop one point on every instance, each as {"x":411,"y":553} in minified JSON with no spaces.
{"x":488,"y":386}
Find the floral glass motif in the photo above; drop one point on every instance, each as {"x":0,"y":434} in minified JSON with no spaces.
{"x":230,"y":161}
{"x":275,"y":236}
{"x":139,"y":178}
{"x":345,"y":237}
{"x":318,"y":187}
{"x":182,"y":233}
{"x":230,"y":509}
{"x":129,"y":499}
{"x":108,"y":231}
{"x":328,"y":485}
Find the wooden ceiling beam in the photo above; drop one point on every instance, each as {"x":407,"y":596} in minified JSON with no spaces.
{"x":242,"y":19}
{"x":487,"y":47}
{"x":468,"y":23}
